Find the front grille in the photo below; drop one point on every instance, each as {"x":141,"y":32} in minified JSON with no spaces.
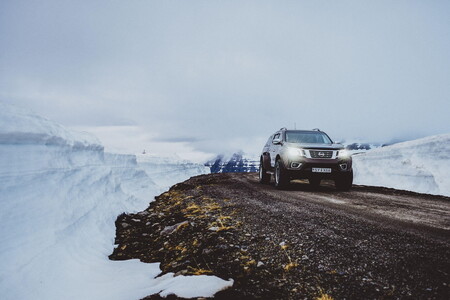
{"x":321,"y":153}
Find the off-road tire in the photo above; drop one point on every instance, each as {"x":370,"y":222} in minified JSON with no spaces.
{"x":344,"y":181}
{"x":281,"y":176}
{"x":264,"y":177}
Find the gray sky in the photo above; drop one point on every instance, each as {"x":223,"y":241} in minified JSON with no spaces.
{"x":203,"y":77}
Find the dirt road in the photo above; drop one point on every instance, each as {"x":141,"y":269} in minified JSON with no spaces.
{"x":368,"y":243}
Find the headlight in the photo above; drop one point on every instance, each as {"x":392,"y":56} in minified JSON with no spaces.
{"x":295,"y":152}
{"x":343,"y":154}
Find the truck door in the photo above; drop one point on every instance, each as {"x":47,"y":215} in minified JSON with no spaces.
{"x":274,"y":149}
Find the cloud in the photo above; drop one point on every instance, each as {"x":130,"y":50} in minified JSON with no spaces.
{"x":136,"y":139}
{"x":179,"y":139}
{"x":222,"y":76}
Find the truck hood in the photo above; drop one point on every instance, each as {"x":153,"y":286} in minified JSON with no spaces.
{"x":316,"y":146}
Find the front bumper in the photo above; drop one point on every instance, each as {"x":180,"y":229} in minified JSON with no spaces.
{"x":302,"y":168}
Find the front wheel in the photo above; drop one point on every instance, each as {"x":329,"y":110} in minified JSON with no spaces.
{"x":264,"y":177}
{"x":344,"y":181}
{"x":281,"y":178}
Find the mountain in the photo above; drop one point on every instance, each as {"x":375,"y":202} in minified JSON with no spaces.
{"x":60,"y":195}
{"x":361,"y":146}
{"x":236,"y":163}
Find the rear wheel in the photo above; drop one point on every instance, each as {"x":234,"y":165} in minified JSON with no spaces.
{"x":281,"y":176}
{"x":264,"y":177}
{"x":344,"y":182}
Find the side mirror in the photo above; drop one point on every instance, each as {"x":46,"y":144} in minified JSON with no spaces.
{"x":337,"y":142}
{"x":276,"y":141}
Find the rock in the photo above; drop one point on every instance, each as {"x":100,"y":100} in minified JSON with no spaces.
{"x":182,"y":272}
{"x":171,"y":229}
{"x":206,"y":251}
{"x":260,"y":264}
{"x":125,"y":225}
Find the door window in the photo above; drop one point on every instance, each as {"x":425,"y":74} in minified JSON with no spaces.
{"x":276,"y":136}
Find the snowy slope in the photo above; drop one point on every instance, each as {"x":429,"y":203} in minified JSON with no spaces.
{"x":60,"y":195}
{"x":421,"y":165}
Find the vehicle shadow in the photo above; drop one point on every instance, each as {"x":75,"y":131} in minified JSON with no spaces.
{"x":326,"y":186}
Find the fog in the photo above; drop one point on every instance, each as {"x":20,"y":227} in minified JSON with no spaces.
{"x":199,"y":78}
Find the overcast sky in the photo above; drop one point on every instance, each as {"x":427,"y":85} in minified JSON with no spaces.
{"x":204,"y":77}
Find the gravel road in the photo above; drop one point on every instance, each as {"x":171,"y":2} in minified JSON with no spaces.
{"x":299,"y":243}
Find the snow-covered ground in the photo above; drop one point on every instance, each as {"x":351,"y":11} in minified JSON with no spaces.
{"x":60,"y":195}
{"x":421,"y":165}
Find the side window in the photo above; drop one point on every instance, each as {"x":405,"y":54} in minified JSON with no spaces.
{"x":276,"y":136}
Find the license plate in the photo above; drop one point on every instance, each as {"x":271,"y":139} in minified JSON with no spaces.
{"x":321,"y":170}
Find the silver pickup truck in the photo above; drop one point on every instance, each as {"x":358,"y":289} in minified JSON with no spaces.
{"x":305,"y":154}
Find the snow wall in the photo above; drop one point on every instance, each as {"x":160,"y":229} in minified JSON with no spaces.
{"x":60,"y":195}
{"x":421,"y":166}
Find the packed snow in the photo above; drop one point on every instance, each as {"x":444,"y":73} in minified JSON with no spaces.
{"x":421,"y":166}
{"x":60,"y":195}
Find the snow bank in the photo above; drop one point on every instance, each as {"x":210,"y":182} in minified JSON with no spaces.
{"x":19,"y":126}
{"x":60,"y":195}
{"x":421,"y":166}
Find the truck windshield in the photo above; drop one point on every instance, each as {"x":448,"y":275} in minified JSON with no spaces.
{"x":307,"y":137}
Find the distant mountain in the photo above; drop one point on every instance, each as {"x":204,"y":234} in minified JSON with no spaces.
{"x":235,"y":164}
{"x":362,"y":146}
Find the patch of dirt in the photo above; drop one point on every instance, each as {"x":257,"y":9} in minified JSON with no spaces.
{"x":275,"y":248}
